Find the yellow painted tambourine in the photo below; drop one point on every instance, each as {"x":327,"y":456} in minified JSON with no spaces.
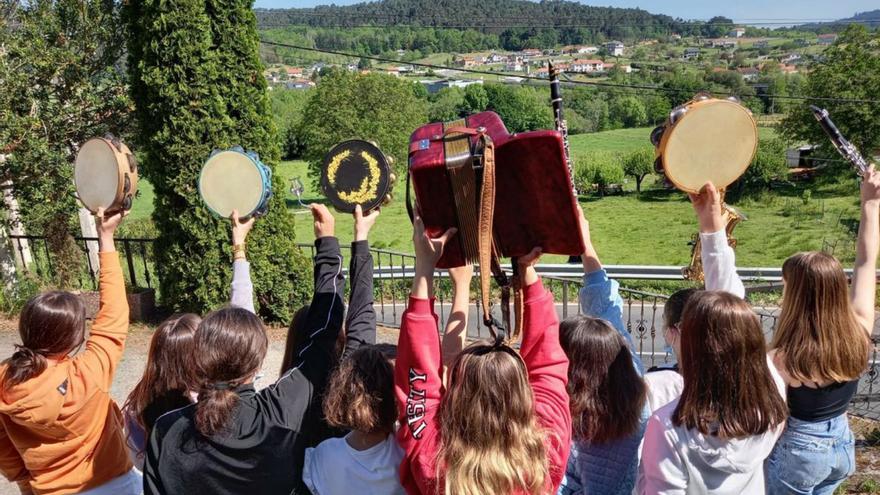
{"x":355,"y":173}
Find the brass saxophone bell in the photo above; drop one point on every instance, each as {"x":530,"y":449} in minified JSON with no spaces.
{"x":387,"y":200}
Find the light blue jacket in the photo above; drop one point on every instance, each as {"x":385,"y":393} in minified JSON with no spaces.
{"x":610,"y":468}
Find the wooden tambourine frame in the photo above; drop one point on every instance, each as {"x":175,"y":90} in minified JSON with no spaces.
{"x":125,"y":178}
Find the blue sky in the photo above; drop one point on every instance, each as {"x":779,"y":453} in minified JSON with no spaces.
{"x":693,"y":9}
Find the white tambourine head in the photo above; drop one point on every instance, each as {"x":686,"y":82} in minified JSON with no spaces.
{"x":96,"y":175}
{"x":714,"y":141}
{"x":231,"y":181}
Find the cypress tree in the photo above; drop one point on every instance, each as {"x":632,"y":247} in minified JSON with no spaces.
{"x":197,"y":83}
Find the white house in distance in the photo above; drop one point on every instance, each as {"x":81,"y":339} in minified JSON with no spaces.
{"x":587,"y":66}
{"x":614,"y":48}
{"x":691,"y":53}
{"x":737,"y":32}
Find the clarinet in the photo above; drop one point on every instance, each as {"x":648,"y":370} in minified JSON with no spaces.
{"x":843,"y":146}
{"x":562,"y":127}
{"x":559,"y":120}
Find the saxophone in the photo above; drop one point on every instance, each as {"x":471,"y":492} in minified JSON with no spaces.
{"x":731,"y":217}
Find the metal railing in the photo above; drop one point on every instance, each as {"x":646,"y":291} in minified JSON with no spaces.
{"x":139,"y":266}
{"x":642,"y":311}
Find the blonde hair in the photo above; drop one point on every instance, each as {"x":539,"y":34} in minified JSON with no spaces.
{"x":491,"y":441}
{"x":818,"y":335}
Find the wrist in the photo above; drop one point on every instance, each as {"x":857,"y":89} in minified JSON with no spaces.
{"x":360,"y":236}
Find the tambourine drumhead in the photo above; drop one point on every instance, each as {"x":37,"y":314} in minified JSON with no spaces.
{"x":231,"y":180}
{"x":96,"y":174}
{"x":715,"y":140}
{"x":356,"y":173}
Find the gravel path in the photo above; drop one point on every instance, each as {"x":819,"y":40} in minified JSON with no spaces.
{"x":133,"y":361}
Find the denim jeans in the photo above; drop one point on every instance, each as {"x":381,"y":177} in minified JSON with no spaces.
{"x":811,"y":457}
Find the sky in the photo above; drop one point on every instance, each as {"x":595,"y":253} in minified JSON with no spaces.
{"x":738,"y":10}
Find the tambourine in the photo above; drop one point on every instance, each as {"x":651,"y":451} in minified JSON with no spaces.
{"x":706,"y":139}
{"x":355,"y":173}
{"x":236,"y":179}
{"x":105,"y":175}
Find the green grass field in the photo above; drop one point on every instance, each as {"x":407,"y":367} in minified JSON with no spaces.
{"x":651,"y":229}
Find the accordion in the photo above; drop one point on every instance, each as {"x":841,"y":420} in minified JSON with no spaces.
{"x":534,"y":203}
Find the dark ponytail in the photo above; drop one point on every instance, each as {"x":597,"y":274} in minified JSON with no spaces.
{"x":51,"y":324}
{"x":230,"y":346}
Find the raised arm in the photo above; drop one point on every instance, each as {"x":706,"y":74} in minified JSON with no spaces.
{"x":360,"y":322}
{"x":719,"y":260}
{"x":600,"y":296}
{"x":455,"y":335}
{"x":110,"y":329}
{"x":546,"y":363}
{"x":864,"y":283}
{"x":242,"y":293}
{"x":417,"y":372}
{"x":303,"y":385}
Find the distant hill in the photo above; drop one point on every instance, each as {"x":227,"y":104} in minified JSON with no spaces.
{"x":871,"y":19}
{"x":487,"y":16}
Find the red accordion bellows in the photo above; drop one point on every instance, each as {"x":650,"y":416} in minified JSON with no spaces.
{"x":534,"y":203}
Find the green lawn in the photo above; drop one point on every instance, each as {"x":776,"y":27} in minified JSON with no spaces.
{"x":651,"y":229}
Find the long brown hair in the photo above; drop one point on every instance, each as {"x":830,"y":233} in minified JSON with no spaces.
{"x":169,"y":366}
{"x":230,"y":346}
{"x":51,"y":324}
{"x":360,"y":394}
{"x":296,"y":334}
{"x":491,"y":441}
{"x":606,"y":393}
{"x":728,"y":391}
{"x":818,"y":335}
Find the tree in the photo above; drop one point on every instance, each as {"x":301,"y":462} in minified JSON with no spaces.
{"x":475,"y":98}
{"x":446,"y":105}
{"x":197,"y":84}
{"x":364,"y":63}
{"x":600,"y":169}
{"x":59,"y":86}
{"x":287,"y":107}
{"x":768,"y":165}
{"x":628,"y":111}
{"x":849,"y":69}
{"x":521,"y":108}
{"x":375,"y":107}
{"x":638,"y":164}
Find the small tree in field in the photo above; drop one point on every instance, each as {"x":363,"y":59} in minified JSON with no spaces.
{"x":600,"y":169}
{"x":639,"y":164}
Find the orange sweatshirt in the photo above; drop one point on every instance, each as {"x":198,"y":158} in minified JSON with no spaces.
{"x":61,"y":432}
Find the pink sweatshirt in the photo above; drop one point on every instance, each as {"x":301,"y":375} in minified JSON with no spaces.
{"x":418,"y":387}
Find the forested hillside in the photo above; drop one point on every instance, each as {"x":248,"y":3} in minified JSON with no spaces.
{"x":462,"y":25}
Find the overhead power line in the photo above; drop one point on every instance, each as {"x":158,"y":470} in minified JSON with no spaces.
{"x":601,"y":84}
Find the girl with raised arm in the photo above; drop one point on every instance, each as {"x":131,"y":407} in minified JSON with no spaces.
{"x":821,"y":346}
{"x":608,"y":397}
{"x":719,"y":267}
{"x":238,"y":440}
{"x":60,"y":431}
{"x":502,"y":425}
{"x":169,"y":380}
